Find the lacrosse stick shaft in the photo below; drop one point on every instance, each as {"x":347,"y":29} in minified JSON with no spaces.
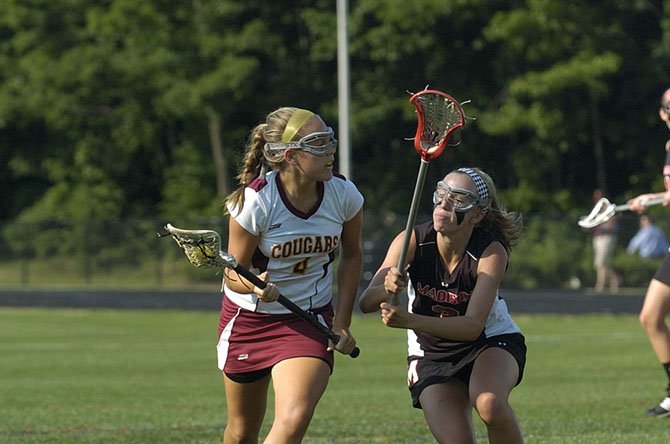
{"x":199,"y":247}
{"x":411,"y":219}
{"x":295,"y":309}
{"x":646,"y":203}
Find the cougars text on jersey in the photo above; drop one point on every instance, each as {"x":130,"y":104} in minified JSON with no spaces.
{"x":305,"y":245}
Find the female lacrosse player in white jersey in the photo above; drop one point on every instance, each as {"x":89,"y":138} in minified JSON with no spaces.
{"x":464,"y":348}
{"x":286,"y":225}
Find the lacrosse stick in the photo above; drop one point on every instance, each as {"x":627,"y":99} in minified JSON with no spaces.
{"x":438,"y":115}
{"x":604,"y":210}
{"x":203,"y":249}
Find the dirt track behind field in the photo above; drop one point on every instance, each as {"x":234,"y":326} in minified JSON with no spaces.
{"x":538,"y":301}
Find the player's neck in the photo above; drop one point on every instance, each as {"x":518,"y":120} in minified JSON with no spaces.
{"x":452,"y":248}
{"x":302,"y":195}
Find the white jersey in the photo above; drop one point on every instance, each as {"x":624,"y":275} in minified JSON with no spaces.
{"x":297,"y":249}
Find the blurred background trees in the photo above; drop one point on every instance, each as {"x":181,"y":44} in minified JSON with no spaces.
{"x":126,"y":110}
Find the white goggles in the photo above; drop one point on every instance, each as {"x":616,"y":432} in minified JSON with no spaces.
{"x":459,"y":199}
{"x":320,"y":144}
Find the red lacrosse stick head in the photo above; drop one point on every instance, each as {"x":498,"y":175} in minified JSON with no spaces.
{"x":438,"y":116}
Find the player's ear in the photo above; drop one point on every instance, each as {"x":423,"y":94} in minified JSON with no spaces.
{"x":478,"y":217}
{"x":290,"y":156}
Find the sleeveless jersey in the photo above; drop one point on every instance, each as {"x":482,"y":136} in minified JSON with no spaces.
{"x":296,"y":248}
{"x":433,"y":291}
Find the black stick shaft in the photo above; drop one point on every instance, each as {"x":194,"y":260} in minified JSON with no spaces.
{"x":411,"y":219}
{"x":283,"y":300}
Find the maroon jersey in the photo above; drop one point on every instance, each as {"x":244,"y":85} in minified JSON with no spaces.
{"x":433,"y":291}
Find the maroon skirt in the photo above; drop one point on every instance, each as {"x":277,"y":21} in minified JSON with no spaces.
{"x":250,"y":341}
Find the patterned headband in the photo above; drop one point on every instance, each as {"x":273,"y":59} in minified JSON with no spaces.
{"x":482,"y":189}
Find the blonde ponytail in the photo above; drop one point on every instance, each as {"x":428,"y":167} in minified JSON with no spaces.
{"x":256,"y":158}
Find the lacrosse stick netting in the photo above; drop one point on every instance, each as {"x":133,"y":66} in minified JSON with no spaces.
{"x":201,"y":247}
{"x":438,"y":116}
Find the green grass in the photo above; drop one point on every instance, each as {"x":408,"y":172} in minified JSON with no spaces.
{"x":80,"y":376}
{"x":69,"y":274}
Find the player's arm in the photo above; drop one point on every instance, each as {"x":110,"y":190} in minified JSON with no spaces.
{"x":388,"y":279}
{"x":241,"y":244}
{"x":637,"y":203}
{"x":490,"y":272}
{"x":349,"y":271}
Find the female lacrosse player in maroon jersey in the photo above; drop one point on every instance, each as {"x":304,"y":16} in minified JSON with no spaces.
{"x":464,"y":348}
{"x":656,"y":306}
{"x":286,"y":225}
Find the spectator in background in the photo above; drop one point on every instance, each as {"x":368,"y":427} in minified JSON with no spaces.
{"x":649,"y":241}
{"x":604,"y":242}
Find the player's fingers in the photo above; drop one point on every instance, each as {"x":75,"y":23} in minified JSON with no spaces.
{"x":346,"y":343}
{"x":268,"y":294}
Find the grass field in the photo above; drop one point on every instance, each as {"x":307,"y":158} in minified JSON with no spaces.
{"x":90,"y":376}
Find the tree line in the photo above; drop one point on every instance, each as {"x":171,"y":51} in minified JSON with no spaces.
{"x":119,"y":109}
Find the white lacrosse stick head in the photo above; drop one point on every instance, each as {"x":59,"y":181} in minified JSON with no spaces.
{"x":202,"y":247}
{"x":602,"y":212}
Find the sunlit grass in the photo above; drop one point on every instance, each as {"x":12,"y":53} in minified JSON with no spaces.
{"x":150,"y":377}
{"x":56,"y":273}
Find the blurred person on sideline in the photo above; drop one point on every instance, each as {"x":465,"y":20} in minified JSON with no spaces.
{"x":604,"y":244}
{"x":649,"y":241}
{"x":286,"y":225}
{"x":464,"y":349}
{"x":656,"y":306}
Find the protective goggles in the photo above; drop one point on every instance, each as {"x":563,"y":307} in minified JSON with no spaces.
{"x":320,"y":144}
{"x":459,"y":199}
